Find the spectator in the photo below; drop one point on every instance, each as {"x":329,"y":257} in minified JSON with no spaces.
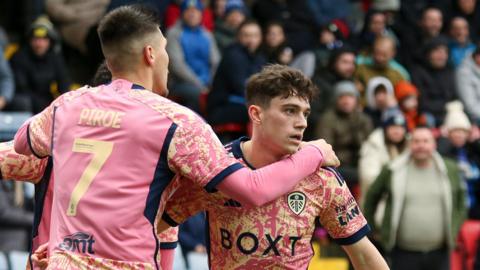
{"x":277,"y":51}
{"x":7,"y":85}
{"x":218,"y":8}
{"x":296,"y":17}
{"x":341,"y":66}
{"x":435,"y":79}
{"x":40,"y":72}
{"x":468,"y":84}
{"x":345,"y":128}
{"x":174,"y":12}
{"x":275,"y":45}
{"x":324,"y":12}
{"x":194,"y":56}
{"x":425,"y":206}
{"x":467,"y":154}
{"x":15,"y":220}
{"x":470,"y":10}
{"x":382,"y":146}
{"x":383,"y":53}
{"x":414,"y":39}
{"x":226,"y":101}
{"x":330,"y":38}
{"x":226,"y":26}
{"x":407,"y":97}
{"x":77,"y":21}
{"x":380,"y":99}
{"x":191,"y":236}
{"x":460,"y":44}
{"x":375,"y":25}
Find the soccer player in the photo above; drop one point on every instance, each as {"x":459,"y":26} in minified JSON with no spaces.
{"x":18,"y":167}
{"x":117,"y":147}
{"x":277,"y":235}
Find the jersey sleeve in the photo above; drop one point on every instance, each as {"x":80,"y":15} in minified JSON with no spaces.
{"x":197,"y":154}
{"x":35,"y":135}
{"x":186,"y":201}
{"x":168,"y":238}
{"x":341,"y":215}
{"x":18,"y":167}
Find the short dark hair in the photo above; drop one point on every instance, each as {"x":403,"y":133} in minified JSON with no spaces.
{"x":381,"y":88}
{"x":247,"y":22}
{"x":278,"y":81}
{"x":123,"y":25}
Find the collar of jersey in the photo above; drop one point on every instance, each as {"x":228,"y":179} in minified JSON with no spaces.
{"x":137,"y":87}
{"x":237,"y":150}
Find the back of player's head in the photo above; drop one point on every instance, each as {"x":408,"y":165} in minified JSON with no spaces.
{"x":123,"y":33}
{"x":278,"y":81}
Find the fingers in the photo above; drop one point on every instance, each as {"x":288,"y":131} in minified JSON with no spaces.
{"x":329,"y":156}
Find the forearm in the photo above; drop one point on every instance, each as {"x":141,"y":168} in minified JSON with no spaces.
{"x":364,"y":256}
{"x":167,"y":257}
{"x":255,"y":188}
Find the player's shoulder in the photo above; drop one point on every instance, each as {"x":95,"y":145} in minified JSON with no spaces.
{"x":178,"y":114}
{"x":328,"y":176}
{"x":75,"y":94}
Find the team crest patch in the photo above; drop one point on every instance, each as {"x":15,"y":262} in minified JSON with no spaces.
{"x":296,"y":202}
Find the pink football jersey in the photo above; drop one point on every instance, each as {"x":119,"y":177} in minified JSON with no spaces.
{"x":277,"y":235}
{"x":29,"y":168}
{"x":115,"y":149}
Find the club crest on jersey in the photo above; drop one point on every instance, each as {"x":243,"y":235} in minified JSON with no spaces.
{"x":296,"y":202}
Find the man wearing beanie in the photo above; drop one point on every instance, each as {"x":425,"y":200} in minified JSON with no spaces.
{"x":456,"y":145}
{"x":194,"y":55}
{"x":345,"y":127}
{"x":40,"y":72}
{"x":226,"y":26}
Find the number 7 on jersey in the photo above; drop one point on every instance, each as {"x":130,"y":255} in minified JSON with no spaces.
{"x":101,"y":150}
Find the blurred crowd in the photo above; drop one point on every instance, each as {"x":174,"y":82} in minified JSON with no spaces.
{"x":383,"y":68}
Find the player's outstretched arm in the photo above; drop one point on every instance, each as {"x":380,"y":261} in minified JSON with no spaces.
{"x":18,"y":167}
{"x":196,"y":153}
{"x":268,"y":183}
{"x":365,"y":256}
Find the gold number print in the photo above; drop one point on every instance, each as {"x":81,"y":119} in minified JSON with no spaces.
{"x":101,"y":150}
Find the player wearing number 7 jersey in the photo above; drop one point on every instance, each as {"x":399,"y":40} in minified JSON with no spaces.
{"x":39,"y":171}
{"x":116,"y":149}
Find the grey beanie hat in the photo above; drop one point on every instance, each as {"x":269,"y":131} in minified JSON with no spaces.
{"x":345,"y":88}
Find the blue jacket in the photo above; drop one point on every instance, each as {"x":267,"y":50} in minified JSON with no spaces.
{"x":192,"y":233}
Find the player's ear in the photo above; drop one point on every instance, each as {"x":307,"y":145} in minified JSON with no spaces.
{"x":149,"y":55}
{"x":255,"y":114}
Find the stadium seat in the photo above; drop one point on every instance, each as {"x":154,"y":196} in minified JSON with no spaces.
{"x":10,"y":122}
{"x":463,"y":257}
{"x":3,"y":261}
{"x":18,"y":260}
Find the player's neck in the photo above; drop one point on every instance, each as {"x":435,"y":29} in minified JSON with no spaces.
{"x":258,"y":154}
{"x":135,"y":78}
